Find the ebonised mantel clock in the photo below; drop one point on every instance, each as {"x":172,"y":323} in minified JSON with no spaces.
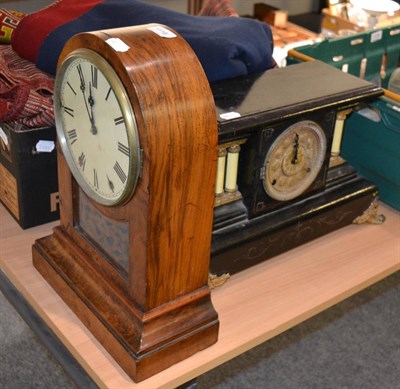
{"x":282,"y":181}
{"x":137,"y":163}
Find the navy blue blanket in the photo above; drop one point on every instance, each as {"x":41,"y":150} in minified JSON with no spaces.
{"x":226,"y":47}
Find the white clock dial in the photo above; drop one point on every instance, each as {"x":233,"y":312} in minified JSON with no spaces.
{"x":96,"y":128}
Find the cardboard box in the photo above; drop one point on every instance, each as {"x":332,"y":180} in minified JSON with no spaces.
{"x":286,"y":35}
{"x":270,"y":15}
{"x":28,"y":174}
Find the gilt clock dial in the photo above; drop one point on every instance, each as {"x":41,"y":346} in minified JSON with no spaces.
{"x":294,"y":160}
{"x":96,"y":128}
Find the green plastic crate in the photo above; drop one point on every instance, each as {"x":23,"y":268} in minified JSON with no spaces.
{"x":372,"y":55}
{"x":371,"y":143}
{"x":371,"y":137}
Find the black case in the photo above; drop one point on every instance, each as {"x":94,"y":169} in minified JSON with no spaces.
{"x":28,"y":178}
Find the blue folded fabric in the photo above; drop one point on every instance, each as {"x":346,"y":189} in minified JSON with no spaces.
{"x":226,"y":46}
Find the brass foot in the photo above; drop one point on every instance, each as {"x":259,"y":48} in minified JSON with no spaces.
{"x":371,"y":215}
{"x":214,"y":281}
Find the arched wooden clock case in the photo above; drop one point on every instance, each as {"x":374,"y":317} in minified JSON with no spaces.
{"x":144,"y":297}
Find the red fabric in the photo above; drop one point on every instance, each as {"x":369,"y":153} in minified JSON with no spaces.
{"x":56,"y":14}
{"x":25,"y":106}
{"x":15,"y":70}
{"x":25,"y":91}
{"x":217,"y":8}
{"x":9,"y":20}
{"x":12,"y":102}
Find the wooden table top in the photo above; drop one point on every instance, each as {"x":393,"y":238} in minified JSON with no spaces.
{"x":253,"y":306}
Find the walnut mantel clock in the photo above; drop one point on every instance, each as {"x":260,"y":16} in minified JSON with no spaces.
{"x":138,"y":140}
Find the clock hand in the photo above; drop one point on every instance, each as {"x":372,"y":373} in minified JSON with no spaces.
{"x":82,"y":78}
{"x":295,"y":158}
{"x":91,"y":117}
{"x":83,"y":90}
{"x":110,"y":184}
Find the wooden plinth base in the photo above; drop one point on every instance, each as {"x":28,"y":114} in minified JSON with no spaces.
{"x":142,"y":343}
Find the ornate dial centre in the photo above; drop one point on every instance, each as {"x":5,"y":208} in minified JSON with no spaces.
{"x":294,"y":160}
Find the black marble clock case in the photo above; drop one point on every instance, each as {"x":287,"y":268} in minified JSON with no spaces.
{"x":259,"y":108}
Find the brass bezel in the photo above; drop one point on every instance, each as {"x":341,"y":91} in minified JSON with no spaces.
{"x":127,"y":111}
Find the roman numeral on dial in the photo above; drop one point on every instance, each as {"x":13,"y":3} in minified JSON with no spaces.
{"x":120,"y":173}
{"x":108,"y":93}
{"x":123,"y":149}
{"x":72,"y":89}
{"x":94,"y":76}
{"x":119,"y":120}
{"x":95,"y":179}
{"x":82,"y":161}
{"x":69,"y":111}
{"x":72,"y":136}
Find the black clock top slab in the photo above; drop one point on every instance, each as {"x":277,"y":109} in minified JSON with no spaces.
{"x":283,"y":92}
